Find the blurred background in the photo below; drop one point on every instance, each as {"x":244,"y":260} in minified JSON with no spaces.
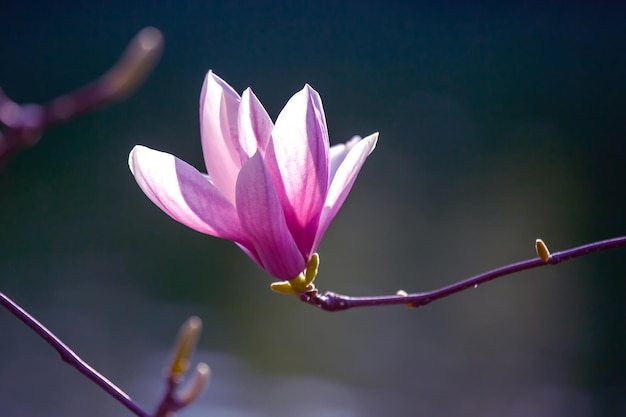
{"x":498,"y":125}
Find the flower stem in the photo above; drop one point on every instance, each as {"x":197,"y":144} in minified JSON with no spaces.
{"x":72,"y":358}
{"x":331,"y":301}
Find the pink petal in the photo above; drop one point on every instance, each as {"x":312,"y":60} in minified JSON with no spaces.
{"x":261,"y":216}
{"x":345,"y":175}
{"x":338,"y":153}
{"x":255,"y":125}
{"x":298,"y":162}
{"x":219,"y":106}
{"x":251,"y":252}
{"x":185,"y":194}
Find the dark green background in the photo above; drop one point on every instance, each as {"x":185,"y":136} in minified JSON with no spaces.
{"x":498,"y":125}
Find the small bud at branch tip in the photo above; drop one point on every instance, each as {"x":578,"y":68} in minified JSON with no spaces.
{"x":184,"y":347}
{"x":195,"y":386}
{"x":542,"y":250}
{"x":135,"y":64}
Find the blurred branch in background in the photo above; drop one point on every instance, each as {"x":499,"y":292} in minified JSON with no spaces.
{"x":184,"y":348}
{"x":22,"y":125}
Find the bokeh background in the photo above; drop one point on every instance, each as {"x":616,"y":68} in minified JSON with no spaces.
{"x":498,"y":125}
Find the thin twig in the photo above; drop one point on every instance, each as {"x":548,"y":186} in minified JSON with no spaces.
{"x":331,"y":301}
{"x":72,"y":358}
{"x":169,"y":403}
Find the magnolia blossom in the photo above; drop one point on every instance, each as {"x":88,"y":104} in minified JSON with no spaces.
{"x":273,"y":189}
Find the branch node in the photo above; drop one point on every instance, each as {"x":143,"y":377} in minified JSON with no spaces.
{"x":303,"y":283}
{"x":402,"y":293}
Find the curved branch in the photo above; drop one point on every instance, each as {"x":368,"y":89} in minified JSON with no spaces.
{"x":331,"y":301}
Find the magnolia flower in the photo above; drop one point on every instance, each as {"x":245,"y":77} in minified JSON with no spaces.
{"x":273,"y":189}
